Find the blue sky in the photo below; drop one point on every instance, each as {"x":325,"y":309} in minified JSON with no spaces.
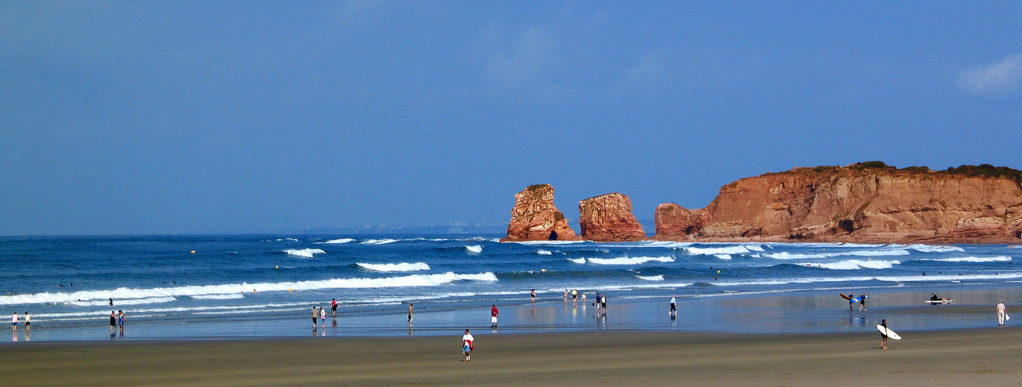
{"x":238,"y":117}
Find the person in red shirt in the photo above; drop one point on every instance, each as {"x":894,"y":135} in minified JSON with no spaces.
{"x":493,"y":316}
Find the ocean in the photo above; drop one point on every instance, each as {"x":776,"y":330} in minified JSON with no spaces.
{"x":265,"y":285}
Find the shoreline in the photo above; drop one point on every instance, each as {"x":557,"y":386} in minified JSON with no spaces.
{"x":614,"y":357}
{"x":793,"y":311}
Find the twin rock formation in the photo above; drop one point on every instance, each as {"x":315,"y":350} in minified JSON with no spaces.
{"x":864,"y":202}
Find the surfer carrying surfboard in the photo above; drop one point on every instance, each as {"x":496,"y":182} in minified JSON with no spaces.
{"x":883,"y":334}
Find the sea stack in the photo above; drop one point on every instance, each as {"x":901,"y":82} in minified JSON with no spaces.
{"x":863,"y":202}
{"x":535,"y":218}
{"x":609,"y":218}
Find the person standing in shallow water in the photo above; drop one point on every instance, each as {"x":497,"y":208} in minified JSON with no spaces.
{"x":493,"y":315}
{"x":113,"y":322}
{"x":1001,"y":313}
{"x":315,"y":315}
{"x":411,"y":310}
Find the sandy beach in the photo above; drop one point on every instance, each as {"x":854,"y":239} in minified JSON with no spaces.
{"x":964,"y":357}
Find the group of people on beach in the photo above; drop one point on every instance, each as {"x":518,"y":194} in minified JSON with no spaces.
{"x":15,"y":319}
{"x":116,"y":322}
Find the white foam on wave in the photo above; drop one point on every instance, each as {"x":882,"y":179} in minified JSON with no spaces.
{"x":159,"y":295}
{"x":286,"y":240}
{"x":903,"y":278}
{"x":304,"y":253}
{"x":378,"y":241}
{"x":856,"y":253}
{"x":754,"y":247}
{"x":475,"y":249}
{"x":650,"y":278}
{"x":544,"y":252}
{"x":124,"y":301}
{"x":232,"y":296}
{"x":627,"y":260}
{"x":725,"y":257}
{"x":741,"y":249}
{"x":853,"y":264}
{"x":580,"y":261}
{"x":932,"y":248}
{"x":394,"y":267}
{"x":1000,"y":258}
{"x":339,"y":241}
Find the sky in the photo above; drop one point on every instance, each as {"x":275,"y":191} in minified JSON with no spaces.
{"x":153,"y":117}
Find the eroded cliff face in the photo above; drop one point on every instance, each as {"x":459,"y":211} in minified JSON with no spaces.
{"x":609,"y":218}
{"x":857,"y":204}
{"x":535,"y":218}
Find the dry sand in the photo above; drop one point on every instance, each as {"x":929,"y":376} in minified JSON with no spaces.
{"x":974,"y":357}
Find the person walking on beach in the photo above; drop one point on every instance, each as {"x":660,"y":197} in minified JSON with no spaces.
{"x":851,"y":300}
{"x":862,"y":302}
{"x":493,"y":315}
{"x":1001,"y":313}
{"x":565,"y":295}
{"x":322,"y":317}
{"x":467,"y":345}
{"x":883,"y":335}
{"x":14,"y":321}
{"x":411,"y":309}
{"x":28,"y":322}
{"x":574,"y":295}
{"x":532,"y":295}
{"x":315,"y":314}
{"x":333,"y":307}
{"x":674,"y":307}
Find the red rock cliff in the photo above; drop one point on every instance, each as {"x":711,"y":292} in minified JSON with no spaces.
{"x":535,"y":218}
{"x":609,"y":218}
{"x":861,"y":202}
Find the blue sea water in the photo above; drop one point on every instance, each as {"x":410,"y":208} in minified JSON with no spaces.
{"x":255,"y":283}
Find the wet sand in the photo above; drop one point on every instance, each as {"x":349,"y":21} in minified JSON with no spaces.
{"x":961,"y":357}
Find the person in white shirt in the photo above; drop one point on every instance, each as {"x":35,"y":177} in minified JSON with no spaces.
{"x":1001,"y":313}
{"x":467,"y":345}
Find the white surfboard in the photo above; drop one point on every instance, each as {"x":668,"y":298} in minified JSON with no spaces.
{"x":888,"y":332}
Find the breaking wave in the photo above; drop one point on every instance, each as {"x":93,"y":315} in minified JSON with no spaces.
{"x":859,"y":253}
{"x":476,"y":249}
{"x":853,"y":264}
{"x":1001,"y":258}
{"x":394,"y":267}
{"x":304,"y":253}
{"x":378,"y":241}
{"x":339,"y":241}
{"x":135,"y":296}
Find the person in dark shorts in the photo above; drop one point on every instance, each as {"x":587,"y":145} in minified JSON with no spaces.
{"x":315,"y":317}
{"x":411,"y":310}
{"x":333,"y":307}
{"x":113,"y":322}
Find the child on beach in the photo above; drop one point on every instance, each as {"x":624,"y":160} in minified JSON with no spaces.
{"x":322,"y":316}
{"x":674,"y":307}
{"x":14,"y":321}
{"x":467,"y":345}
{"x":333,"y":307}
{"x":28,"y":321}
